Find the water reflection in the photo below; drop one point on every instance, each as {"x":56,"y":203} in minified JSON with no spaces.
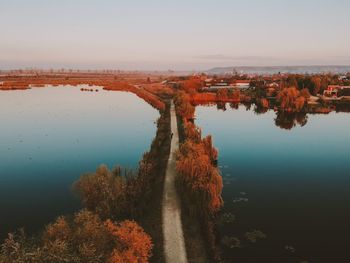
{"x":286,"y":181}
{"x":50,"y":136}
{"x":289,"y":120}
{"x":283,"y":120}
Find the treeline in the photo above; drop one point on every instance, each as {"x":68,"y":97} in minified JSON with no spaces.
{"x":295,"y":89}
{"x":315,"y":84}
{"x":105,"y":230}
{"x":221,"y":95}
{"x":199,"y":179}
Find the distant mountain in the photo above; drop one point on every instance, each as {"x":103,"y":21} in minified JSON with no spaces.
{"x":281,"y":69}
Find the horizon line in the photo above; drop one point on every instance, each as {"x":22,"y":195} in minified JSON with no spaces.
{"x":57,"y":68}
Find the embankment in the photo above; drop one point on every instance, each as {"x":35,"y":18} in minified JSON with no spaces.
{"x":200,"y":185}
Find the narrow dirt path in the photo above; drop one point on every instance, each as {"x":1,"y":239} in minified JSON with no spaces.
{"x":174,"y":244}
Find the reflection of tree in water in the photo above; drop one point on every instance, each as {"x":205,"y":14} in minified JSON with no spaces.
{"x":247,"y":105}
{"x":234,"y":106}
{"x":290,"y":120}
{"x":260,"y":110}
{"x":342,"y":107}
{"x":221,"y":106}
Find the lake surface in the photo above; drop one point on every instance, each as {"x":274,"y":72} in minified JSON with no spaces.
{"x":293,"y":185}
{"x":50,"y":136}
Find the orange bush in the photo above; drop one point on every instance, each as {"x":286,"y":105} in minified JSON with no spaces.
{"x":83,"y":238}
{"x":134,"y":245}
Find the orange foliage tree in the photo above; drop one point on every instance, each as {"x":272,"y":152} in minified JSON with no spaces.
{"x":222,"y":95}
{"x":83,"y":239}
{"x":199,"y":177}
{"x":134,"y":245}
{"x":191,"y":85}
{"x":292,"y":100}
{"x":184,"y":108}
{"x":118,"y":193}
{"x":104,"y":192}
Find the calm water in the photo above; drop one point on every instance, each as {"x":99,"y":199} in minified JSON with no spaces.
{"x":293,"y":185}
{"x":50,"y":136}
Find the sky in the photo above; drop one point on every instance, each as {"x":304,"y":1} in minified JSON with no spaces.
{"x":173,"y":34}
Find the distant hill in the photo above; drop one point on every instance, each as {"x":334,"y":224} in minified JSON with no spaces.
{"x":281,"y":69}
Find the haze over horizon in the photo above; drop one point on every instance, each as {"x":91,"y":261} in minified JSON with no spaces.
{"x":178,"y":35}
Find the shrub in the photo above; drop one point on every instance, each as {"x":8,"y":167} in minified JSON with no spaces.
{"x":84,"y":239}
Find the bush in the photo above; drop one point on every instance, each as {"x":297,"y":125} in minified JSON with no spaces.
{"x":84,"y":239}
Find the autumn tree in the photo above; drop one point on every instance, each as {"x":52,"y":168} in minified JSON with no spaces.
{"x":199,"y":177}
{"x":209,"y":149}
{"x":292,"y":100}
{"x":316,"y":85}
{"x":192,"y":132}
{"x":191,"y":85}
{"x":184,"y":108}
{"x":118,"y":193}
{"x":222,"y":95}
{"x":83,"y":239}
{"x":291,"y":81}
{"x":103,"y":192}
{"x":134,"y":245}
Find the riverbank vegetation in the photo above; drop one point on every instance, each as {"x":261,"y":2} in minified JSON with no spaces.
{"x":126,"y":194}
{"x":199,"y":180}
{"x":288,"y":93}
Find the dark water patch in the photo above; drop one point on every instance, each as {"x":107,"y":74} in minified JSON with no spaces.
{"x":295,"y":181}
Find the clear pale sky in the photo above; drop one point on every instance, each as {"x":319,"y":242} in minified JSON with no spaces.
{"x":173,"y":34}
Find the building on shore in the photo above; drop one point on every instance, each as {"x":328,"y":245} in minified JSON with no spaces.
{"x":337,"y":92}
{"x":215,"y":84}
{"x":242,"y":84}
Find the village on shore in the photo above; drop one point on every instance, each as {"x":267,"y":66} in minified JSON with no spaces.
{"x":323,"y":93}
